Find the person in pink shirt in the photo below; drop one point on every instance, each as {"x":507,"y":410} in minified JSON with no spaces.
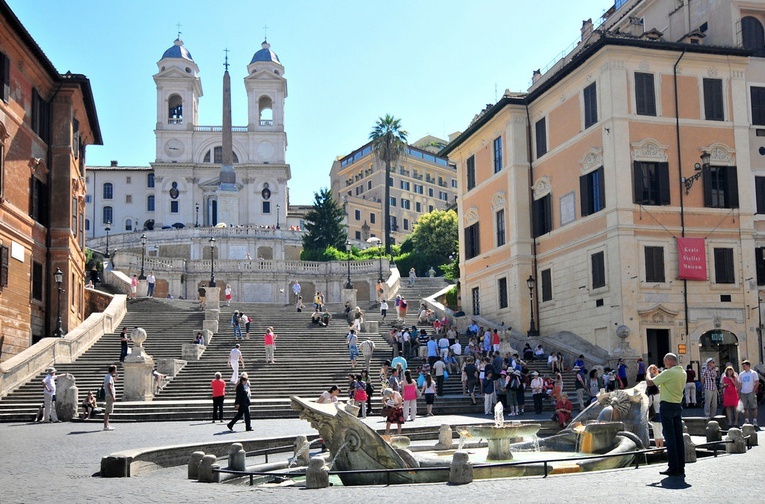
{"x":269,"y":341}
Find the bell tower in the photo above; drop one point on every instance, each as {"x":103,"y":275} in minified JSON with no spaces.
{"x":266,"y":92}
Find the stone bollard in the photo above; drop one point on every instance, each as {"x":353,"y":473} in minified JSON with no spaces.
{"x":444,"y":438}
{"x":461,"y":469}
{"x":690,"y":449}
{"x":191,"y":351}
{"x":210,"y":325}
{"x":748,"y":430}
{"x":301,"y":451}
{"x":194,"y":460}
{"x":236,"y":457}
{"x":713,"y":431}
{"x":206,"y":472}
{"x":739,"y":443}
{"x":317,"y":474}
{"x":67,"y":400}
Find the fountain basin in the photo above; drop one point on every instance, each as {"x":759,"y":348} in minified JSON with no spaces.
{"x":500,"y":438}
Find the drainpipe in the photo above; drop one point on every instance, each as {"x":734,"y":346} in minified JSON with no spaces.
{"x":531,"y":220}
{"x":680,"y":186}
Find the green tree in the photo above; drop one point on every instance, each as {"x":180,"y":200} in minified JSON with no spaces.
{"x":388,"y":144}
{"x":324,"y":226}
{"x":435,"y":236}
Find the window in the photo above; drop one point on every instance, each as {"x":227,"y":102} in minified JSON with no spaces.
{"x":393,"y":223}
{"x":372,"y":218}
{"x":592,"y":189}
{"x":418,"y":189}
{"x":431,"y":208}
{"x":497,"y":154}
{"x":3,"y":266}
{"x":541,"y":137}
{"x":472,"y":241}
{"x":266,"y":207}
{"x":39,"y":201}
{"x":759,"y":191}
{"x":470,"y":168}
{"x":37,"y":281}
{"x":502,"y":293}
{"x":87,"y":224}
{"x":216,"y":154}
{"x":357,"y":214}
{"x":406,"y":224}
{"x":108,"y":191}
{"x":5,"y":77}
{"x":390,"y":181}
{"x":129,"y":225}
{"x":759,"y":259}
{"x":598,"y":270}
{"x":542,"y":213}
{"x":651,"y":183}
{"x":724,"y":266}
{"x":74,"y":216}
{"x":654,"y":264}
{"x":430,"y":192}
{"x":404,"y":185}
{"x":358,"y":235}
{"x":720,"y":187}
{"x":758,"y":105}
{"x":476,"y":296}
{"x":713,"y":100}
{"x":454,"y":183}
{"x":173,"y":207}
{"x":88,"y":198}
{"x":590,"y":105}
{"x":128,"y":180}
{"x":417,"y":206}
{"x":150,"y":180}
{"x":500,"y":226}
{"x":40,"y":115}
{"x":406,"y":204}
{"x":753,"y":36}
{"x":442,"y":195}
{"x":107,"y":215}
{"x":547,"y":285}
{"x":369,"y":184}
{"x":392,"y":201}
{"x":150,"y":203}
{"x":645,"y":96}
{"x":128,"y":198}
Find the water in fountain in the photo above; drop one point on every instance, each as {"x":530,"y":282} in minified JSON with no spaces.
{"x":463,"y":437}
{"x":331,"y":463}
{"x":293,"y":460}
{"x":499,"y":415}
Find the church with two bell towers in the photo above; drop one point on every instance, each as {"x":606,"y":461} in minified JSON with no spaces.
{"x":202,"y":175}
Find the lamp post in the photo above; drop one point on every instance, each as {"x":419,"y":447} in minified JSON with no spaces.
{"x":759,"y":322}
{"x":531,"y":283}
{"x":688,"y":182}
{"x":196,"y":222}
{"x":107,"y":229}
{"x":212,"y":261}
{"x":377,"y":242}
{"x":348,"y":284}
{"x":59,"y":276}
{"x":277,"y":216}
{"x":142,"y":276}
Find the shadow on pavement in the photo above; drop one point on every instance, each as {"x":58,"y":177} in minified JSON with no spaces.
{"x":671,"y":483}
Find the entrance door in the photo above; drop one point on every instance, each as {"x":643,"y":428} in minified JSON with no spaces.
{"x":658,"y":345}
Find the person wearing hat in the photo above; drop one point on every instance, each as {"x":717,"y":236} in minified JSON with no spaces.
{"x":49,"y":396}
{"x":750,"y":382}
{"x":537,"y":391}
{"x":242,"y":403}
{"x":709,"y":384}
{"x":512,"y":382}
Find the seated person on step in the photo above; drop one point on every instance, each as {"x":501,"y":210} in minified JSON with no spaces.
{"x":160,"y":380}
{"x":89,"y":406}
{"x":325,"y":318}
{"x":316,"y":316}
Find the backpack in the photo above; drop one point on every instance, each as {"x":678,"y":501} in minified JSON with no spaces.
{"x":101,"y":394}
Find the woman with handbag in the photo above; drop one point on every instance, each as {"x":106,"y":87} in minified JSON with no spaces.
{"x":393,"y":409}
{"x":429,"y":391}
{"x":730,"y":396}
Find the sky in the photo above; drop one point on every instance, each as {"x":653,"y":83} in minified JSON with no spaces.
{"x":432,"y":63}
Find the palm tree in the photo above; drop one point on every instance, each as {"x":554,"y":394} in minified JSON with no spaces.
{"x":388,"y":144}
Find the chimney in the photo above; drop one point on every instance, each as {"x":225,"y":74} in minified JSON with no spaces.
{"x":586,"y":29}
{"x":636,"y":27}
{"x":535,"y":76}
{"x":114,"y":162}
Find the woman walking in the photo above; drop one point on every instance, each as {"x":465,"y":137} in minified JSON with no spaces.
{"x":242,"y":404}
{"x":429,"y":391}
{"x":730,"y":396}
{"x":218,"y":395}
{"x":394,"y":410}
{"x":410,"y":397}
{"x":269,"y":342}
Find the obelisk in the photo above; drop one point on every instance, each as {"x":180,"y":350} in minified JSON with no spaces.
{"x":228,"y":197}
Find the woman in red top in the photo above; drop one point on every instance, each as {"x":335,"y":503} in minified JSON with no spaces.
{"x":730,"y":396}
{"x":269,"y":341}
{"x":218,"y":395}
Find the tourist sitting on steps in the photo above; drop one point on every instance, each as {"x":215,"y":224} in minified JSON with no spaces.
{"x":316,"y":316}
{"x":325,"y":318}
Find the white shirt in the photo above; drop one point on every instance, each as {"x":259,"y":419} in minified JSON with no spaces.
{"x":150,"y":278}
{"x":235,"y":355}
{"x":296,"y":288}
{"x":383,"y":306}
{"x":747,"y":380}
{"x":109,"y":385}
{"x":457,"y":348}
{"x":50,"y":384}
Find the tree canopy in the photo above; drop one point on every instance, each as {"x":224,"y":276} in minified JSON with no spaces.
{"x":324,"y":226}
{"x":388,"y":143}
{"x":435,"y":235}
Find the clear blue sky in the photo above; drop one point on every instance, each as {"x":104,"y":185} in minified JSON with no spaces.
{"x":432,"y":63}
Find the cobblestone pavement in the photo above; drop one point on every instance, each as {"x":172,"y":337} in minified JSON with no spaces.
{"x":60,"y":462}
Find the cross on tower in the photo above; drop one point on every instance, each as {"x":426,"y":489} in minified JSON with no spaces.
{"x":225,"y":64}
{"x":265,"y":32}
{"x":179,"y":29}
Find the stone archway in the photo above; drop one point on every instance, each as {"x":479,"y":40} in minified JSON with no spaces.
{"x":721,"y":345}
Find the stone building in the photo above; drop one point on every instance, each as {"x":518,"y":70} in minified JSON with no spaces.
{"x":628,"y":184}
{"x":46,"y":121}
{"x":420,"y":183}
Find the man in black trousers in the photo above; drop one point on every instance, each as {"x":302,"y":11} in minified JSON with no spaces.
{"x":242,"y":403}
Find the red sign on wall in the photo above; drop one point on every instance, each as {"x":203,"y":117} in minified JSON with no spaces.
{"x":692,"y":259}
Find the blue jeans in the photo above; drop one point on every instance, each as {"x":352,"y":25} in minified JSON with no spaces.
{"x":672,"y":424}
{"x":353,"y":352}
{"x":237,"y":332}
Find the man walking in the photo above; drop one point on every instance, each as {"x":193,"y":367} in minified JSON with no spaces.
{"x":750,"y":382}
{"x":151,"y":280}
{"x":671,"y":384}
{"x":367,"y":348}
{"x":236,"y":324}
{"x":296,"y":290}
{"x":49,"y":397}
{"x":242,"y":403}
{"x":111,"y":395}
{"x":709,"y":383}
{"x":234,"y":358}
{"x":537,"y":390}
{"x":353,"y":350}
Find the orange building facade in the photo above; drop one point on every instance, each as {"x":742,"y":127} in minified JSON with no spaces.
{"x":589,"y":182}
{"x":46,"y":121}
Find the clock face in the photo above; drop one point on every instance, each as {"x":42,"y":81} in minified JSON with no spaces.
{"x":174,"y":148}
{"x":266,"y":150}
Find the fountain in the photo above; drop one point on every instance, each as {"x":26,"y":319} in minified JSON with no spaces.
{"x":499,"y":436}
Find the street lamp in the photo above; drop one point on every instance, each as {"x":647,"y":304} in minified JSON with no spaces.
{"x":348,"y":284}
{"x":531,"y":283}
{"x":107,"y":229}
{"x":759,"y":320}
{"x":688,"y":182}
{"x":142,"y":276}
{"x":377,"y":241}
{"x":196,"y":222}
{"x":277,"y":216}
{"x":212,"y":261}
{"x":59,"y":276}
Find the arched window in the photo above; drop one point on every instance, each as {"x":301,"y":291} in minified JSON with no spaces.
{"x":150,"y":180}
{"x":108,"y":215}
{"x":87,"y":224}
{"x":753,"y":35}
{"x":265,"y":107}
{"x":108,"y":190}
{"x":129,"y":225}
{"x":216,"y":154}
{"x":175,"y":110}
{"x":150,"y":203}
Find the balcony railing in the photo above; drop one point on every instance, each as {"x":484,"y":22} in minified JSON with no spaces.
{"x":266,"y":122}
{"x":219,"y":129}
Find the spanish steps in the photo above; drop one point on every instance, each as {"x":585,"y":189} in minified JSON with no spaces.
{"x":309,"y":359}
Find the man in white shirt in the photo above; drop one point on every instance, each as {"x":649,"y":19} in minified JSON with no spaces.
{"x":367,"y":348}
{"x":111,"y":395}
{"x":296,"y":290}
{"x":456,"y":349}
{"x":750,"y":382}
{"x":384,"y":309}
{"x":49,"y":397}
{"x":234,"y":358}
{"x":151,"y":280}
{"x":443,"y":346}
